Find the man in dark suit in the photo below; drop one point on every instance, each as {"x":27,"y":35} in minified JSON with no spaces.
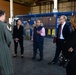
{"x":69,"y":50}
{"x":63,"y":32}
{"x":18,"y":37}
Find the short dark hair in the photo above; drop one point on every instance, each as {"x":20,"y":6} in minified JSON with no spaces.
{"x":17,"y":20}
{"x":38,"y":20}
{"x":2,"y":12}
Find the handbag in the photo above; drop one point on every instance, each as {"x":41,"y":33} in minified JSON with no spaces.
{"x":63,"y":61}
{"x":55,"y":40}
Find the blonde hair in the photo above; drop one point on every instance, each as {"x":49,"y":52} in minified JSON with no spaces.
{"x":73,"y":21}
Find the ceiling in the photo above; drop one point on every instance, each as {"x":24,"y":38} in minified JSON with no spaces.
{"x":35,"y":2}
{"x":31,"y":2}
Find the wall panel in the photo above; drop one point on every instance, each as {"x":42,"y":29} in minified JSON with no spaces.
{"x":18,"y":9}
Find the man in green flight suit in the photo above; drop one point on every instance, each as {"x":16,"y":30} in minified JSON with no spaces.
{"x":6,"y":67}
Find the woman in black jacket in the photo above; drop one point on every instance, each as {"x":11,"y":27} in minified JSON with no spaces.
{"x":69,"y":49}
{"x":18,"y":37}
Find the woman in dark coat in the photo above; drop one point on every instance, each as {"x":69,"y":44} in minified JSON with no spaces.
{"x":69,"y":49}
{"x":18,"y":37}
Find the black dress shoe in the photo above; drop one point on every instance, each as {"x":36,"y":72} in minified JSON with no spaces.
{"x":51,"y":63}
{"x":40,"y":60}
{"x":33,"y":58}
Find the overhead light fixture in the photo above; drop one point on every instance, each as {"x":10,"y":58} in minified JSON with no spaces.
{"x":34,"y":3}
{"x":50,"y":18}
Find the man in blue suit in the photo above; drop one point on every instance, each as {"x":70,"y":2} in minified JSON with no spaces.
{"x":63,"y":32}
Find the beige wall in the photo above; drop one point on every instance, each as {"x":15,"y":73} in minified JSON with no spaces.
{"x":67,"y":6}
{"x":41,"y":9}
{"x":62,"y":7}
{"x":18,"y":9}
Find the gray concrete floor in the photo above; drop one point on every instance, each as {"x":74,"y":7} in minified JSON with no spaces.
{"x":26,"y":66}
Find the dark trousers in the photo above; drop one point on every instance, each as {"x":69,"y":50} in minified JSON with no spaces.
{"x":16,"y":45}
{"x":59,"y":46}
{"x":71,"y":67}
{"x":38,"y":45}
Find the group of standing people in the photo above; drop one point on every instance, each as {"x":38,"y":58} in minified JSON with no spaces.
{"x":65,"y":42}
{"x":6,"y":66}
{"x":37,"y":38}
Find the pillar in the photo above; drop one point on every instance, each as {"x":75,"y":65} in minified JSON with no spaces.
{"x":55,"y":6}
{"x":11,"y":11}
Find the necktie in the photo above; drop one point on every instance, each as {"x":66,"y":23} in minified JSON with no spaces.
{"x":60,"y":27}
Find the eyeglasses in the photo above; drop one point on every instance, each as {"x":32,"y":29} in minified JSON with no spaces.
{"x":38,"y":22}
{"x":61,"y":19}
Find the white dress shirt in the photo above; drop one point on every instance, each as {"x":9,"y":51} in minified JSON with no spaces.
{"x":61,"y":35}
